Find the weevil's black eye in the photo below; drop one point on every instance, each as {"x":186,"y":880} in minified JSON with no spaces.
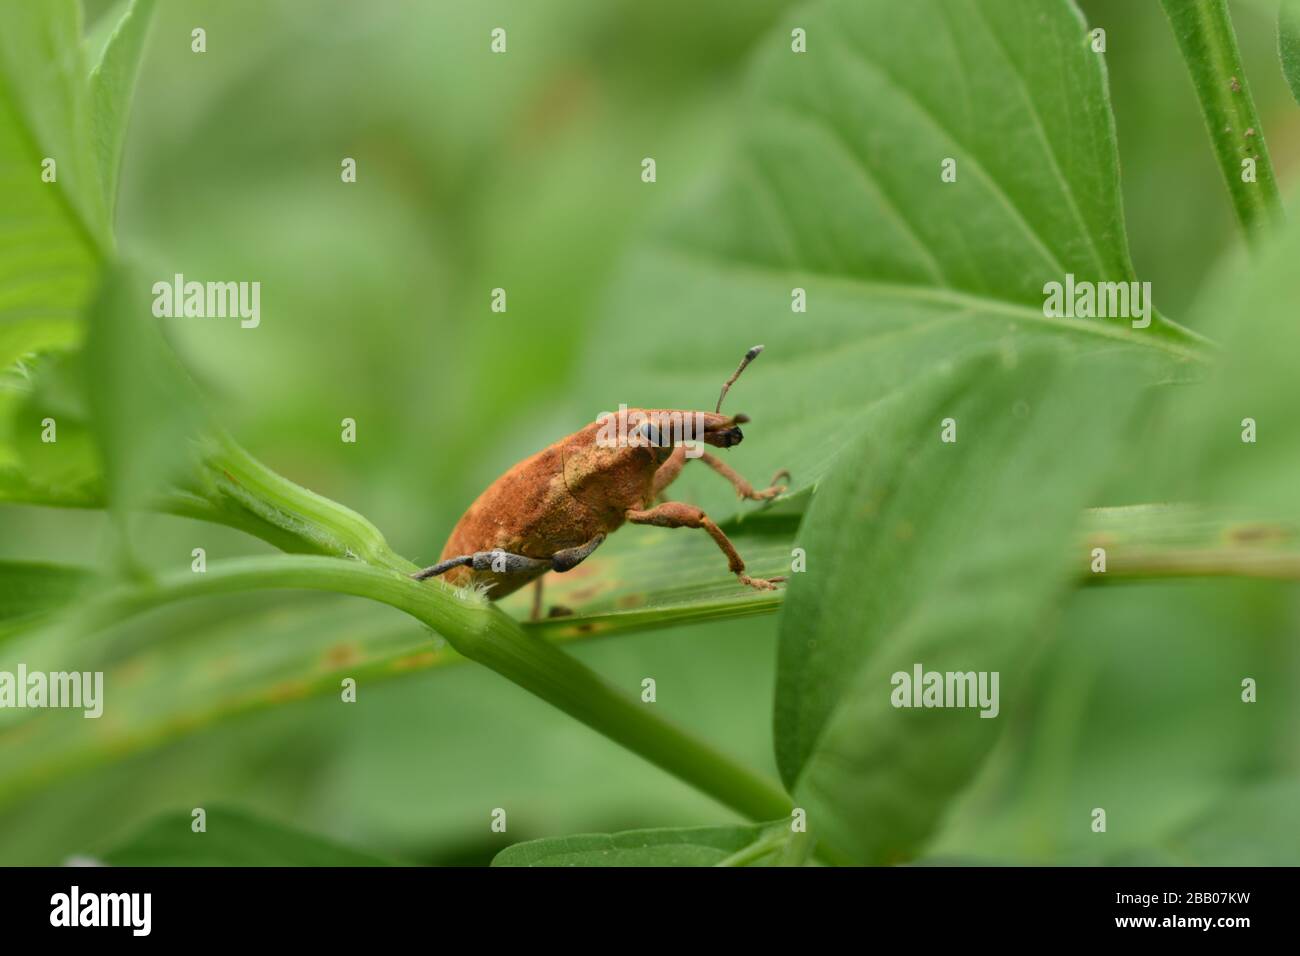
{"x":732,"y":436}
{"x":649,"y":434}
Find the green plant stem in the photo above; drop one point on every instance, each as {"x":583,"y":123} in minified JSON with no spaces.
{"x":480,"y":632}
{"x":798,"y":848}
{"x":765,"y":844}
{"x":246,"y":493}
{"x":1208,"y":44}
{"x":1209,"y":563}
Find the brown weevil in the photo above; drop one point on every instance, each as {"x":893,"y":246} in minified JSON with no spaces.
{"x":551,"y":511}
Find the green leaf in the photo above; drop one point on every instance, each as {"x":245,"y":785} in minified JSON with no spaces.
{"x":1288,"y":44}
{"x":112,"y":81}
{"x":1250,"y":306}
{"x":685,"y":846}
{"x":232,"y":838}
{"x":836,"y":189}
{"x":655,"y":577}
{"x":144,"y":411}
{"x":473,"y":627}
{"x":180,"y":687}
{"x":1255,"y":826}
{"x":1136,"y":708}
{"x":66,"y":472}
{"x":29,"y":590}
{"x":181,"y":670}
{"x":51,"y":233}
{"x":652,"y":577}
{"x":937,"y":554}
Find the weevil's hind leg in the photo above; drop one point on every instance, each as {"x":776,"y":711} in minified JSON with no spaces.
{"x":504,"y":562}
{"x":556,"y":610}
{"x":442,"y":567}
{"x":674,"y":514}
{"x":536,"y":614}
{"x":743,"y":487}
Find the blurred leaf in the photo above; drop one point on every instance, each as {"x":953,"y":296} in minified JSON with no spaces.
{"x":101,"y":20}
{"x":58,"y":230}
{"x":410,"y":771}
{"x":112,"y":81}
{"x":1185,"y":540}
{"x":1254,"y":826}
{"x":923,"y":552}
{"x":1250,"y":308}
{"x":1136,"y":708}
{"x":144,"y":410}
{"x":51,"y":233}
{"x":66,"y":472}
{"x":1288,"y":43}
{"x":559,"y":777}
{"x":836,"y":190}
{"x":195,"y":667}
{"x":28,"y":590}
{"x":687,"y":846}
{"x":232,"y":838}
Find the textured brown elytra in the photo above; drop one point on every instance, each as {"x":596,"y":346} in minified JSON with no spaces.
{"x":550,"y":511}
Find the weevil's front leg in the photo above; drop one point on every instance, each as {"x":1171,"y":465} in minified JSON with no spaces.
{"x":504,"y":562}
{"x":743,"y":487}
{"x":674,"y":514}
{"x":671,"y":468}
{"x":667,"y":472}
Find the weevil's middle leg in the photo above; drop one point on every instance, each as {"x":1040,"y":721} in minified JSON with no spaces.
{"x":570,"y":558}
{"x":674,"y":514}
{"x":557,"y":610}
{"x":536,"y":612}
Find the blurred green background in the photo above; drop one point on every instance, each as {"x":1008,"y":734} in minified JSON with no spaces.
{"x":523,"y":172}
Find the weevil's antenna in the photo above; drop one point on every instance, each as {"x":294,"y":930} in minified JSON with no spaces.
{"x":749,"y":357}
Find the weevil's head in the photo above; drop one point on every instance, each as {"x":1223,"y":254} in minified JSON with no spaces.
{"x":712,"y":428}
{"x":660,"y":430}
{"x":663,"y":429}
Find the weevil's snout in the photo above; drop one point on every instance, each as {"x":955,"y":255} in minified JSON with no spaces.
{"x":725,"y":432}
{"x":725,"y":439}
